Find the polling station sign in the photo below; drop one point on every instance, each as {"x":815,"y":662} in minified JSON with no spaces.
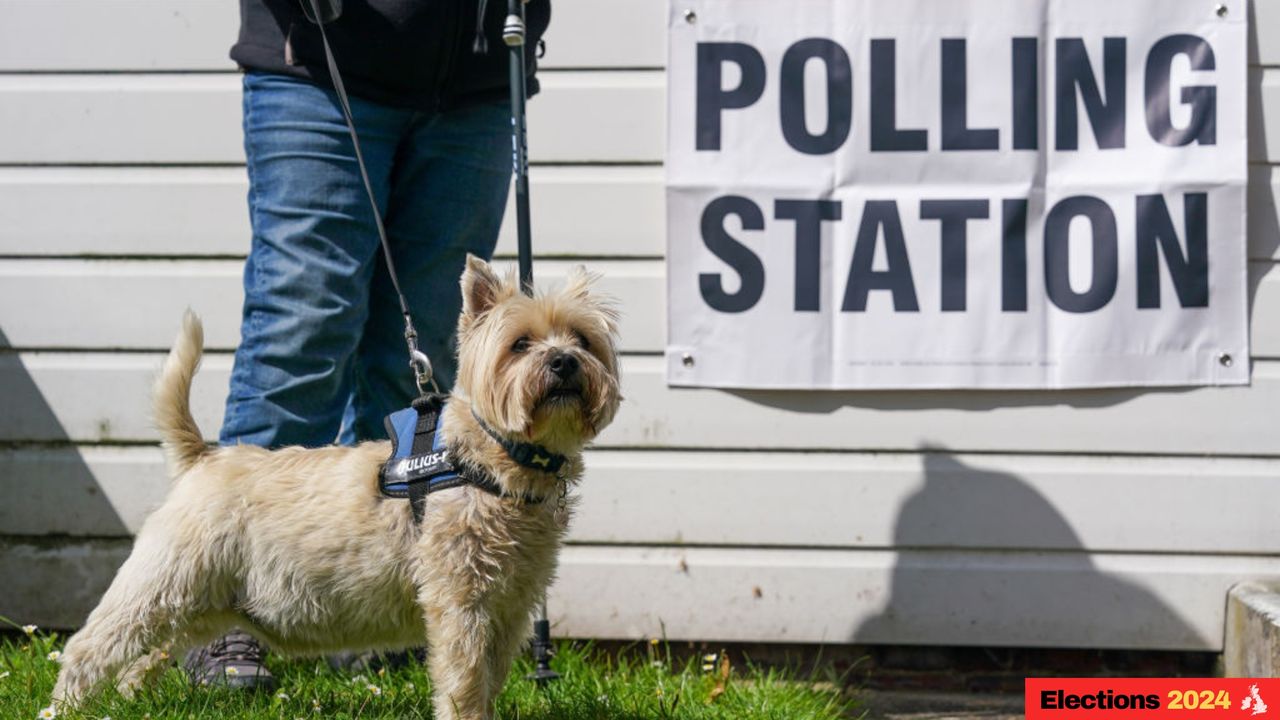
{"x":958,"y":194}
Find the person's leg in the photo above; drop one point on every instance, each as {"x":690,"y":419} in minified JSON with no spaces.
{"x":314,"y":250}
{"x":306,"y":285}
{"x":448,"y":193}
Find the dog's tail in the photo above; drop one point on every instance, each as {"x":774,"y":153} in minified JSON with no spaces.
{"x":171,"y":401}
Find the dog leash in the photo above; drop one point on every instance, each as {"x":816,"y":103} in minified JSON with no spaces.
{"x":513,"y":34}
{"x":419,"y":363}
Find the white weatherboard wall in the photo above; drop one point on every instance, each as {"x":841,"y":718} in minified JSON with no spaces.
{"x":1097,"y":518}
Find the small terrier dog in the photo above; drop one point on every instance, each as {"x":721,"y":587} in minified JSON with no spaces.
{"x":299,"y":547}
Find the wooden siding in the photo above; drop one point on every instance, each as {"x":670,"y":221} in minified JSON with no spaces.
{"x":1096,"y":518}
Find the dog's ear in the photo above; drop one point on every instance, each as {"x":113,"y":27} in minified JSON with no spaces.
{"x":481,"y":287}
{"x":579,"y":282}
{"x":580,"y":288}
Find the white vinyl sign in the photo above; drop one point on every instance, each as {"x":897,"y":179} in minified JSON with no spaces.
{"x":956,"y":194}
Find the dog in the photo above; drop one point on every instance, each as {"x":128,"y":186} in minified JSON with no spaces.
{"x":298,"y":546}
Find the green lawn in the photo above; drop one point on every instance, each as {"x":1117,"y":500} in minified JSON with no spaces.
{"x":647,"y":685}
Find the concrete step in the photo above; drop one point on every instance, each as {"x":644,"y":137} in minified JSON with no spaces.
{"x":1252,"y":644}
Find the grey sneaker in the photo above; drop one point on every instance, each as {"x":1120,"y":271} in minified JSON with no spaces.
{"x":372,"y":662}
{"x":233,"y":660}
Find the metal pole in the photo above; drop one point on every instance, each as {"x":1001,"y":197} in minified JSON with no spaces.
{"x":513,"y":34}
{"x":542,"y":673}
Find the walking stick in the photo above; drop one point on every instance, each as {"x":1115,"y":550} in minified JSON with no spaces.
{"x":513,"y":34}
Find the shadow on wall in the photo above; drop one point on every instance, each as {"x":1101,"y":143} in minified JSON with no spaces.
{"x":61,"y":537}
{"x":1264,"y":219}
{"x":975,"y":401}
{"x":1052,"y":595}
{"x":1257,"y":133}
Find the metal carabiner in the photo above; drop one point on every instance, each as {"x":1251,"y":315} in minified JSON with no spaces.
{"x":422,"y":372}
{"x":419,"y":363}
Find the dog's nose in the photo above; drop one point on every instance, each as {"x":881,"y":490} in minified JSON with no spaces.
{"x":564,"y":365}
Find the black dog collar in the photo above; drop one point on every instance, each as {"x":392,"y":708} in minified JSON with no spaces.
{"x":527,"y":455}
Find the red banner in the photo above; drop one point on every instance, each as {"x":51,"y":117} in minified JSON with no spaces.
{"x":1151,"y":698}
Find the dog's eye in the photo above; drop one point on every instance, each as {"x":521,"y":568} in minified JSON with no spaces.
{"x":520,"y":345}
{"x":583,"y":342}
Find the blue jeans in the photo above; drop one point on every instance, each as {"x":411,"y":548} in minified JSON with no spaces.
{"x":322,"y":354}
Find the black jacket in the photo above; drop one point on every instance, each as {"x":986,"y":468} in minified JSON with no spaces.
{"x":407,"y":53}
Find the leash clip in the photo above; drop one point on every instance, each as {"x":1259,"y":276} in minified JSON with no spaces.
{"x":419,"y":363}
{"x":422,"y":373}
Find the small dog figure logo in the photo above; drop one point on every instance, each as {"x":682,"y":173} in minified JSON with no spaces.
{"x":1254,"y":701}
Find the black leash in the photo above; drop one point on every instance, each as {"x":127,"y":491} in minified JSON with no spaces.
{"x":513,"y":34}
{"x":419,"y":363}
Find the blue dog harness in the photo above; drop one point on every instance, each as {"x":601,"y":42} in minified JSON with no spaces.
{"x":420,"y":463}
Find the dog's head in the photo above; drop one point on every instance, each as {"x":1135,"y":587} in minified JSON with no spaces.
{"x":542,"y":368}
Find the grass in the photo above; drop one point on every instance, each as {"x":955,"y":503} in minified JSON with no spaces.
{"x":644,"y":685}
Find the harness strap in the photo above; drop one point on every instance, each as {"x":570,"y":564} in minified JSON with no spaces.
{"x":425,"y":440}
{"x":421,"y":464}
{"x":418,"y":491}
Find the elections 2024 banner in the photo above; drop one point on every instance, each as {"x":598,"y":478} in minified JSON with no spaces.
{"x":956,"y":193}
